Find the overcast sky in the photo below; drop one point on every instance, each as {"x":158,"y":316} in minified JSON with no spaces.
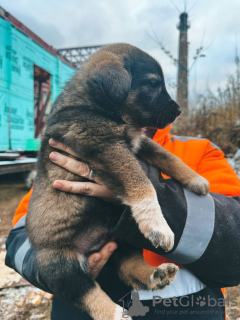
{"x":215,"y":25}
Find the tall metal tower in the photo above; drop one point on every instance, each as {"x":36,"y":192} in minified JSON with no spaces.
{"x":182,"y":87}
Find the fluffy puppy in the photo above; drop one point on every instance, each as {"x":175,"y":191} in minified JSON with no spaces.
{"x":100,"y":114}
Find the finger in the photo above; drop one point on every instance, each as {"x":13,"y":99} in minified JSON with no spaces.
{"x":70,"y":164}
{"x":63,"y":147}
{"x":94,"y":259}
{"x":108,"y":250}
{"x":101,"y":257}
{"x":87,"y":188}
{"x":58,"y":145}
{"x":73,"y":165}
{"x":97,"y":260}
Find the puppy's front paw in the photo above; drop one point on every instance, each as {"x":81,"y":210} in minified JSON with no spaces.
{"x":152,"y":224}
{"x":162,"y":276}
{"x":161,"y":236}
{"x":199,"y":185}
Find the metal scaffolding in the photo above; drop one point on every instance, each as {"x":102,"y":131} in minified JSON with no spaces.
{"x":77,"y":56}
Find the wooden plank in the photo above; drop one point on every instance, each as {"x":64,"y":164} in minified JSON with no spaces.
{"x":9,"y":155}
{"x":15,"y":166}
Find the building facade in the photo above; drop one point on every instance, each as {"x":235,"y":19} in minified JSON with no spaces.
{"x":32,"y":74}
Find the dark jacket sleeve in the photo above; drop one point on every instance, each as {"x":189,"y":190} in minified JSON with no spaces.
{"x":206,"y":228}
{"x":22,"y":257}
{"x":207,"y":237}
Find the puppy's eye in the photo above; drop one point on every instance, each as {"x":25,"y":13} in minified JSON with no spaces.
{"x":154,"y":83}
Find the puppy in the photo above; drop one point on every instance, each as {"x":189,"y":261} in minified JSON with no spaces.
{"x":100,"y":114}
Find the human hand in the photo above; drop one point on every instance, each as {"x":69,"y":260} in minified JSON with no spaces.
{"x":98,"y":260}
{"x":95,"y":189}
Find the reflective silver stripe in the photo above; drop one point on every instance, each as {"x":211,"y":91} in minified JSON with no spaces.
{"x":20,"y":223}
{"x":183,"y":139}
{"x":198,"y":229}
{"x":20,"y":255}
{"x":184,"y":284}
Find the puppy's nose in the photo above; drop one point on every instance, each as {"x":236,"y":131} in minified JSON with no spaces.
{"x":178,"y":111}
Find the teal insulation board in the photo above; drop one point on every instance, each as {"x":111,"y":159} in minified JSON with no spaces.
{"x":18,"y":55}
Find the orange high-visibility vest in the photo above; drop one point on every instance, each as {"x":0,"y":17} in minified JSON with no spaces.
{"x":206,"y":159}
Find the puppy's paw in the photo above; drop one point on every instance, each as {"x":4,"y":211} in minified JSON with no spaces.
{"x":152,"y":224}
{"x":199,"y":185}
{"x":161,"y":236}
{"x":162,"y":276}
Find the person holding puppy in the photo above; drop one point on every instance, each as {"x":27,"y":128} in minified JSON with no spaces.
{"x":203,"y":157}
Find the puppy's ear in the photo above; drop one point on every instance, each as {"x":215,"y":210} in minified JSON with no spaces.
{"x":111,"y":76}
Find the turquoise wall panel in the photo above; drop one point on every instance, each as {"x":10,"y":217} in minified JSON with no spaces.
{"x":5,"y":44}
{"x":4,"y":121}
{"x":22,"y":126}
{"x":18,"y":55}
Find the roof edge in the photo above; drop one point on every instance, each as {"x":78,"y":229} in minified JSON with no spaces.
{"x":30,"y":34}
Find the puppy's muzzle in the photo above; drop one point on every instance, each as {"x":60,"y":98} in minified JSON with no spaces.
{"x":174,"y":108}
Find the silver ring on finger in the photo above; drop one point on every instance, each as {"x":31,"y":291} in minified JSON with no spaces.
{"x":91,"y":175}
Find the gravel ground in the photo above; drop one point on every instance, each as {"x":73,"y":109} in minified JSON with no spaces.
{"x":233,"y":303}
{"x":24,"y":303}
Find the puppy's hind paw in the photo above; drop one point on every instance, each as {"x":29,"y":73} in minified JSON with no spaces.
{"x":199,"y":185}
{"x":163,"y":276}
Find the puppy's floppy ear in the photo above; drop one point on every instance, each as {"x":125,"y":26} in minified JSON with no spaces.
{"x":111,"y":75}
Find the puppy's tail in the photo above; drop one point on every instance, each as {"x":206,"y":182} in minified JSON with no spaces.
{"x":65,"y":274}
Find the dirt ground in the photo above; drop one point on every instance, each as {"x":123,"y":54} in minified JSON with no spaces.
{"x":12,"y":190}
{"x":16,"y":303}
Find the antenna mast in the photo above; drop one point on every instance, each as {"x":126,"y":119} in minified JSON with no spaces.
{"x":182,"y":87}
